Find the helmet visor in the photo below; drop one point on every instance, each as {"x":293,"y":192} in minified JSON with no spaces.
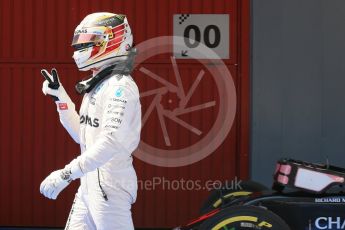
{"x":86,"y":38}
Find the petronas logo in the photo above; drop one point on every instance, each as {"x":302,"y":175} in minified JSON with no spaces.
{"x":120,"y":16}
{"x":111,"y":21}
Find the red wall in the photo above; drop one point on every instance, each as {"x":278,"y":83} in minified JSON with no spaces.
{"x":36,"y":34}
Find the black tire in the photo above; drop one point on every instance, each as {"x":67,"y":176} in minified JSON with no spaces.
{"x":214,"y":200}
{"x":244,"y":217}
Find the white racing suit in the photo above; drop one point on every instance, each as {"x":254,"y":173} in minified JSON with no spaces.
{"x":108,"y":130}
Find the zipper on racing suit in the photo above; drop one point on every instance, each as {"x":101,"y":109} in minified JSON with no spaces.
{"x":87,"y":102}
{"x":99,"y":180}
{"x":100,"y":186}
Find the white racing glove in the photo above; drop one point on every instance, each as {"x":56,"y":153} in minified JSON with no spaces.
{"x":68,"y":116}
{"x":58,"y":180}
{"x":52,"y":86}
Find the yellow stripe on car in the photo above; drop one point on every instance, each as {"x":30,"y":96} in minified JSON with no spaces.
{"x":241,"y":193}
{"x":235,"y":219}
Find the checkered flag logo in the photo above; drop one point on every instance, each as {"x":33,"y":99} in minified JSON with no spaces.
{"x":183,"y":17}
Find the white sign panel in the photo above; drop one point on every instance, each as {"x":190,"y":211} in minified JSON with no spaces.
{"x":212,"y":30}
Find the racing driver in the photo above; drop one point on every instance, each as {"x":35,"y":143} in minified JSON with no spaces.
{"x":107,"y":127}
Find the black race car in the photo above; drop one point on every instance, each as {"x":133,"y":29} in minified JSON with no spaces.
{"x":305,"y":196}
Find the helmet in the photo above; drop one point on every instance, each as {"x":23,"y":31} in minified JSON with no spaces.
{"x":101,"y":39}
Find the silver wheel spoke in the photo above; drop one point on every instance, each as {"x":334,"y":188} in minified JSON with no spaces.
{"x":185,"y":100}
{"x":194,"y":108}
{"x":170,"y":86}
{"x":163,"y":126}
{"x":183,"y":123}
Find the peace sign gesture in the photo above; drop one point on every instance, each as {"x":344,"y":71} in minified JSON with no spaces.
{"x":51,"y":84}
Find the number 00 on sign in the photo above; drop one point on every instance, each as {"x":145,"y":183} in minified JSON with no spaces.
{"x":211,"y":30}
